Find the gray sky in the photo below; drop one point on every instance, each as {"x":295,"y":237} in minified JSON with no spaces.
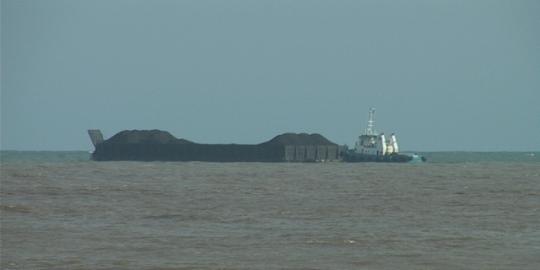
{"x":442,"y":74}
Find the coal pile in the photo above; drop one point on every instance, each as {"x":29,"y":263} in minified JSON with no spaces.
{"x":157,"y":145}
{"x":300,"y":139}
{"x":145,"y":137}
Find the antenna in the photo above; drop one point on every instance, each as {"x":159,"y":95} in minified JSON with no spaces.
{"x":370,"y":130}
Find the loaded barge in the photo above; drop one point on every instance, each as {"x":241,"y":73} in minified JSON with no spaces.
{"x":157,"y":145}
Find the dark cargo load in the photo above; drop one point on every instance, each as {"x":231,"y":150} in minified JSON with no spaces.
{"x":157,"y":145}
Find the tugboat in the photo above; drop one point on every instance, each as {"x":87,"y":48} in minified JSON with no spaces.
{"x":375,"y":147}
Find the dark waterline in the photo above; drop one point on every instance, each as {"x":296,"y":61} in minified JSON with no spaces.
{"x":432,"y":157}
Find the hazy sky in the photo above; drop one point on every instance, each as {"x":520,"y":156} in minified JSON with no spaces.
{"x":442,"y":74}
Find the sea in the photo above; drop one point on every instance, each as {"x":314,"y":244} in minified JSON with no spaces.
{"x":459,"y":210}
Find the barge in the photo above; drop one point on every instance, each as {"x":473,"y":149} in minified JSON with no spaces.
{"x":158,"y":145}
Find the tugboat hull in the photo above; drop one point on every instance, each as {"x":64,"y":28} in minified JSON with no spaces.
{"x":351,"y":156}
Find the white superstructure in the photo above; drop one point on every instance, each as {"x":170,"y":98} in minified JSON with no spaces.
{"x":373,"y":143}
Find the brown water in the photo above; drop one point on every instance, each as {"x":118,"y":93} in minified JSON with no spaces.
{"x":131,"y":215}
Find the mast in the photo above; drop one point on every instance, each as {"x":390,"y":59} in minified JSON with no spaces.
{"x":370,"y":130}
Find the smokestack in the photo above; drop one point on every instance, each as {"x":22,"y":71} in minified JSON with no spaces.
{"x":382,"y":142}
{"x":394,"y":143}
